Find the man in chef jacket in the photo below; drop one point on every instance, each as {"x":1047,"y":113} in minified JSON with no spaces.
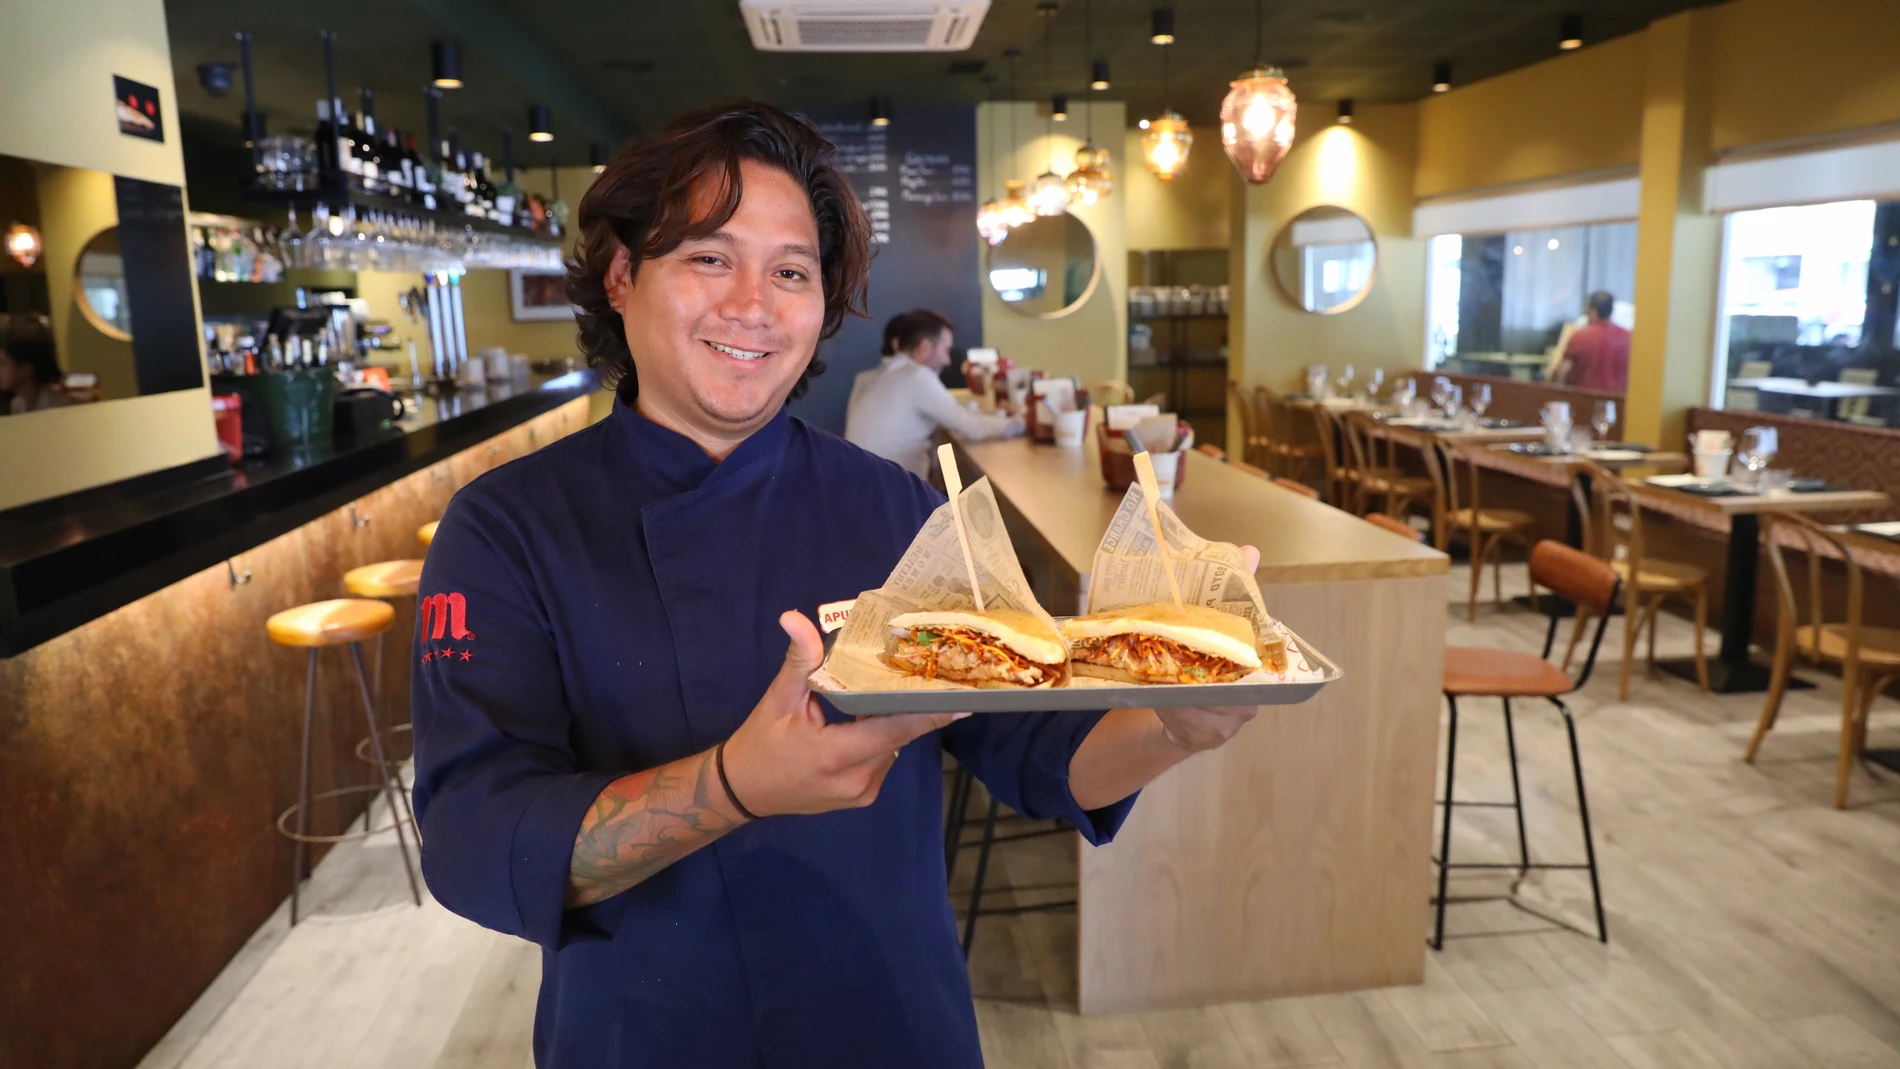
{"x":617,"y":755}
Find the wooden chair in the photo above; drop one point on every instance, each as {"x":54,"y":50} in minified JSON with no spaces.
{"x":1337,"y":478}
{"x":1291,"y":453}
{"x":1253,"y":436}
{"x":1869,"y":656}
{"x":1613,"y":530}
{"x":1241,"y":465}
{"x":1298,"y":488}
{"x":1395,"y":525}
{"x":1505,"y":674}
{"x":1372,"y":457}
{"x":1486,"y":530}
{"x":1211,"y":450}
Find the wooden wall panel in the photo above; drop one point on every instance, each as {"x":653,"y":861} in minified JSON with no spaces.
{"x":144,"y":758}
{"x":1295,"y":859}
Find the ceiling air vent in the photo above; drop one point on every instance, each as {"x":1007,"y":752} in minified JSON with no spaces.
{"x":862,"y":25}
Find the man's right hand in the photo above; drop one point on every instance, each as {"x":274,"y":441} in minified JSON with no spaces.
{"x":786,"y":758}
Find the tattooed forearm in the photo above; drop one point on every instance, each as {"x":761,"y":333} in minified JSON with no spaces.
{"x":644,"y":822}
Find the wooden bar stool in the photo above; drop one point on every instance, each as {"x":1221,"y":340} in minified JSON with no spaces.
{"x":1472,"y":672}
{"x":346,"y":621}
{"x":385,"y":581}
{"x":425,"y":534}
{"x":1395,"y":525}
{"x":1299,"y":488}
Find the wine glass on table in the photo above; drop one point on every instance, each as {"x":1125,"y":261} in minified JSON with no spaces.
{"x":1374,"y":384}
{"x":1345,"y":382}
{"x":1480,"y":399}
{"x":1602,"y":418}
{"x":1758,"y":448}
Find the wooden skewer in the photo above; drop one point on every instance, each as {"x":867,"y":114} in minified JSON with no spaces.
{"x":1151,"y":494}
{"x":953,"y":484}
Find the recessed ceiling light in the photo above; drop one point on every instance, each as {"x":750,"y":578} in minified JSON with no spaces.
{"x":1570,"y":32}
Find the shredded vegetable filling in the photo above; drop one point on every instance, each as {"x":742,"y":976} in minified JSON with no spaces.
{"x":1156,"y":660}
{"x":964,"y":656}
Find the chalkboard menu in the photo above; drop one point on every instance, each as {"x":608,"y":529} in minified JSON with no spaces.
{"x":917,"y":181}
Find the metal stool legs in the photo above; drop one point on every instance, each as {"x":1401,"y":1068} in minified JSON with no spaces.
{"x":1516,"y":804}
{"x":400,"y":813}
{"x":982,"y":872}
{"x":388,"y":774}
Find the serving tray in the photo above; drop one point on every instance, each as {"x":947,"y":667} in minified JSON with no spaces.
{"x":1081,"y":693}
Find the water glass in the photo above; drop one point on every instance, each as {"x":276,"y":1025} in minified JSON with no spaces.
{"x":1757,"y":452}
{"x":1345,"y":382}
{"x":1480,"y":398}
{"x":1602,"y":418}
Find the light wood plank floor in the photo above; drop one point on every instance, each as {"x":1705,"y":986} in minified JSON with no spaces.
{"x":1751,"y":925}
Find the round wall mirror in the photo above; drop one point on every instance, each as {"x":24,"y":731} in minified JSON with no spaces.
{"x":101,"y":286}
{"x":1325,"y":259}
{"x":1046,"y":267}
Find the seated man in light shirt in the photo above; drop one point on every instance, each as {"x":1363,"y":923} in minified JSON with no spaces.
{"x":897,"y":407}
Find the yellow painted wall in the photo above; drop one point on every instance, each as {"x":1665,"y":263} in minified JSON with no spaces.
{"x":1090,"y":343}
{"x":1368,"y":168}
{"x":76,"y":205}
{"x":1796,"y":68}
{"x":56,"y":66}
{"x":1188,"y":213}
{"x":1577,"y":112}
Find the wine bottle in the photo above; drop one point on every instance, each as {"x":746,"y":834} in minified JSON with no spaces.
{"x":346,"y":138}
{"x":329,"y":137}
{"x":425,"y":182}
{"x":368,"y":152}
{"x":402,"y":174}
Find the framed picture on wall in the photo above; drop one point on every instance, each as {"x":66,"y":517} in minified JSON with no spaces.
{"x":539,"y":295}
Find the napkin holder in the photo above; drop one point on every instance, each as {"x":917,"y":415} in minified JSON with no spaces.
{"x":1118,"y":460}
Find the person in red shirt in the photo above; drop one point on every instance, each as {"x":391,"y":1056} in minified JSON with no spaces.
{"x":1598,"y":356}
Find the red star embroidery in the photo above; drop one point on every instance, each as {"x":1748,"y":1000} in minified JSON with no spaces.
{"x":426,"y":656}
{"x":467,"y":656}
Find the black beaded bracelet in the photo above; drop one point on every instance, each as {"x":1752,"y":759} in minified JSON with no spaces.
{"x":719,"y":763}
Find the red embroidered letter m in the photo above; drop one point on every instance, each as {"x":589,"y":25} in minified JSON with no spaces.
{"x":444,"y":611}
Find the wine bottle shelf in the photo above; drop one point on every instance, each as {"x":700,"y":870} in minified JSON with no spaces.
{"x":305,"y":200}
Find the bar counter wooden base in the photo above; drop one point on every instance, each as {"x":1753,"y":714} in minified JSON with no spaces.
{"x":1297,"y":858}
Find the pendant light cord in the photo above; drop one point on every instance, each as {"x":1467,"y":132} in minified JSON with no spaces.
{"x":1049,"y":73}
{"x":1088,"y":46}
{"x":1258,"y":57}
{"x":1167,"y":91}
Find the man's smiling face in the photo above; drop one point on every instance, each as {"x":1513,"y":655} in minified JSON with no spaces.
{"x":721,"y":327}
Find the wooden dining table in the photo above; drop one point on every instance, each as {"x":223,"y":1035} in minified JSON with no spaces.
{"x":1734,"y":670}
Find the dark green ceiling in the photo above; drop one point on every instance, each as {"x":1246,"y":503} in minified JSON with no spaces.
{"x":612,"y":68}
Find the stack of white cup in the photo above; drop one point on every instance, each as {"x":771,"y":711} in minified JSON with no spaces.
{"x":1712,"y":450}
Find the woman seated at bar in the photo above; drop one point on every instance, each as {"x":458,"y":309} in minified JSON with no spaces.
{"x":1598,"y":356}
{"x":29,"y":372}
{"x":897,"y":407}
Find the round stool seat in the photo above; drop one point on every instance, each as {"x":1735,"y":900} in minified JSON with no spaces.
{"x":426,"y":533}
{"x":384,"y":579}
{"x":330,"y":623}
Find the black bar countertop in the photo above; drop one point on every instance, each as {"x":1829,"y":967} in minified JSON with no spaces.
{"x":72,"y":559}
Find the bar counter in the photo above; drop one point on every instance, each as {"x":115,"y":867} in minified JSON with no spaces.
{"x":72,"y":559}
{"x":150,"y":735}
{"x":1297,"y":858}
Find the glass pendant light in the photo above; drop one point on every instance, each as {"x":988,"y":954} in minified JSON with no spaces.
{"x":1165,"y":144}
{"x":1091,"y":180}
{"x":1014,"y":209}
{"x":1049,"y":193}
{"x":1256,"y":119}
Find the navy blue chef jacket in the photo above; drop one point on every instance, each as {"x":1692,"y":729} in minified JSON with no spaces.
{"x":609,"y":604}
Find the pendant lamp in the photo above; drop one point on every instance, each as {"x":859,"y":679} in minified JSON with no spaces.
{"x":989,"y":217}
{"x":1049,"y":193}
{"x":1165,"y":145}
{"x":1091,"y":180}
{"x":1256,"y":119}
{"x":1014,"y":208}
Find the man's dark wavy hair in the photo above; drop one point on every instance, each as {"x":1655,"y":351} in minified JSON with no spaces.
{"x":644,"y":199}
